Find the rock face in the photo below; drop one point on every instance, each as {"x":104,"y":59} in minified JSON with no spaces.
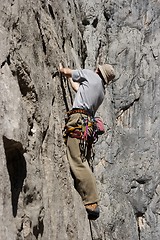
{"x":38,"y":199}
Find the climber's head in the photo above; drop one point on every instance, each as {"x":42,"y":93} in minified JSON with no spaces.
{"x":106,"y":72}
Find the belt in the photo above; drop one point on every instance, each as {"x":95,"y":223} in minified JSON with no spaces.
{"x":77,"y":110}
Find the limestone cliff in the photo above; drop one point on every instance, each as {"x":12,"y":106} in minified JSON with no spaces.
{"x":38,"y":199}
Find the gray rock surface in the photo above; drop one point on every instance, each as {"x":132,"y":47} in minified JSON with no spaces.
{"x":38,"y":199}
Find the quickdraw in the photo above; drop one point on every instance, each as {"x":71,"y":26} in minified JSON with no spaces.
{"x":88,"y":130}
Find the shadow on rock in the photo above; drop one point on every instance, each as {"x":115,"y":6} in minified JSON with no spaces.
{"x":16,"y":166}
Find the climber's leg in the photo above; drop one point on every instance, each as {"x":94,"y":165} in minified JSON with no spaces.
{"x":85,"y":182}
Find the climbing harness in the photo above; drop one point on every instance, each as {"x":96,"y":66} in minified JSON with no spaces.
{"x":77,"y":110}
{"x":87,"y":130}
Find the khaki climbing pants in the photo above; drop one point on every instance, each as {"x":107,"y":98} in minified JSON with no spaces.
{"x":85,"y":182}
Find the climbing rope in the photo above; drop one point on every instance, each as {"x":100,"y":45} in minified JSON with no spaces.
{"x":90,"y":225}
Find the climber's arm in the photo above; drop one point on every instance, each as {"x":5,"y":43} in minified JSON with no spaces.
{"x":74,"y":85}
{"x":68,"y":73}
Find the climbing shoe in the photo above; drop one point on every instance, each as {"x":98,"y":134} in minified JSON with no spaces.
{"x":93,"y":211}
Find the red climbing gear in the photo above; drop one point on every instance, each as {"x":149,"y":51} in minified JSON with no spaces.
{"x":99,"y":125}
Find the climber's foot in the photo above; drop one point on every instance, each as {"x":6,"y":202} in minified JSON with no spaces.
{"x":93,"y":211}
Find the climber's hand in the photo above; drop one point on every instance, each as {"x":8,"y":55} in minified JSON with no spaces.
{"x":67,"y":72}
{"x":60,"y":67}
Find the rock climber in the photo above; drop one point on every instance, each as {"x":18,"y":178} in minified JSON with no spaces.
{"x":90,"y":90}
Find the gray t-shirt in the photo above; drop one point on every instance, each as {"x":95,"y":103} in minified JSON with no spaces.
{"x":91,"y":90}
